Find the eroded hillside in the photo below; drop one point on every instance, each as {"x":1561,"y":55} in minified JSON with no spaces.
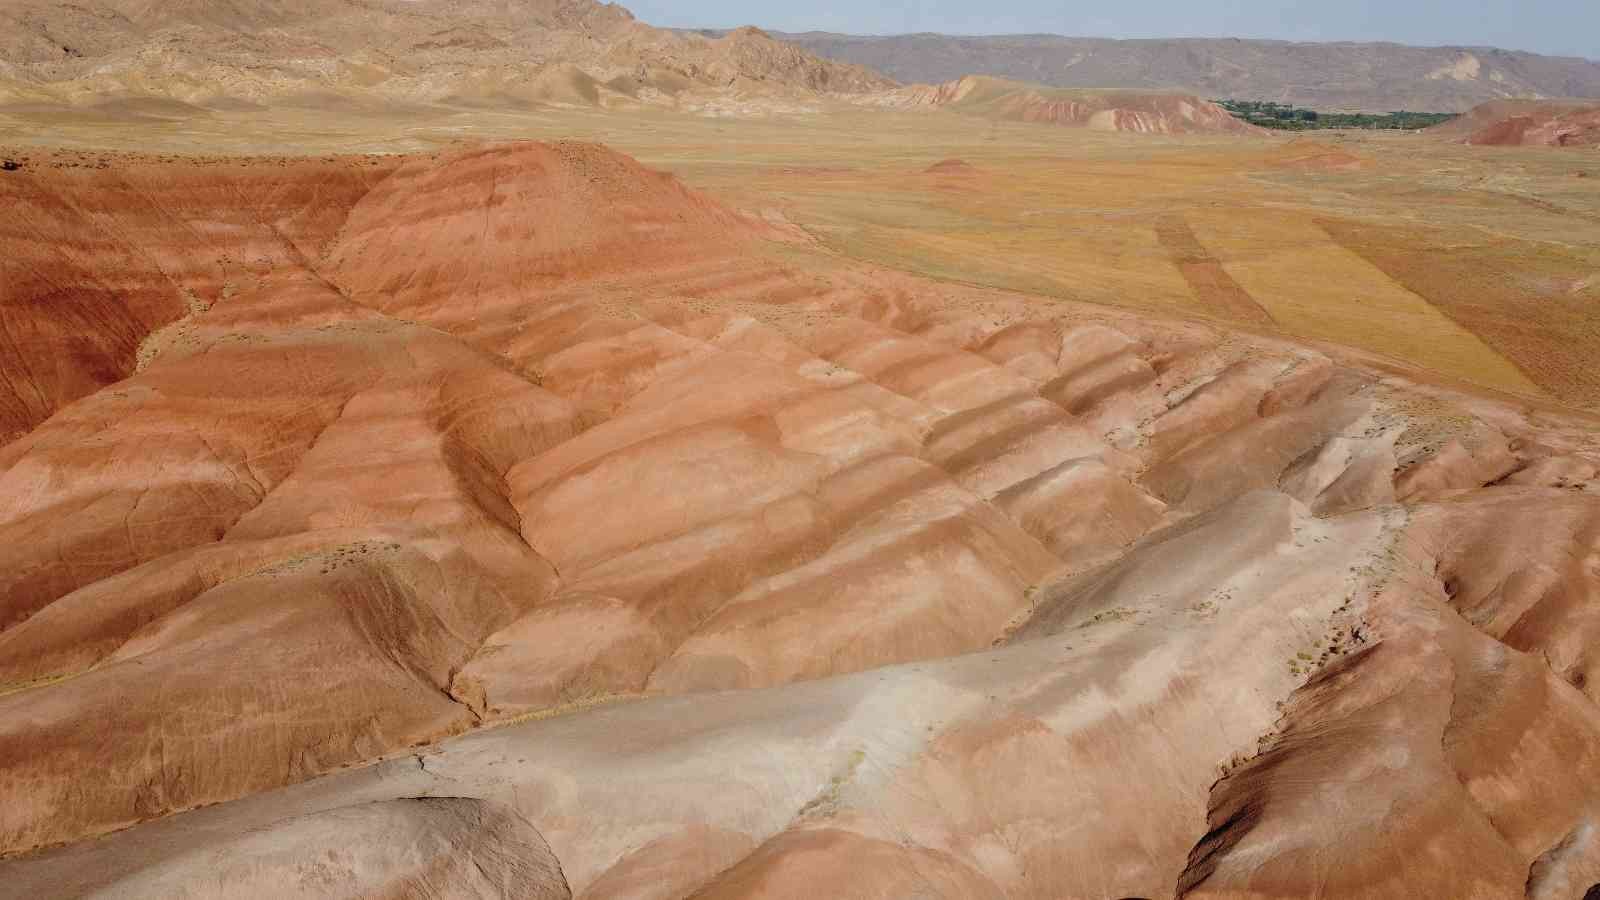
{"x":354,"y":53}
{"x":521,"y":520}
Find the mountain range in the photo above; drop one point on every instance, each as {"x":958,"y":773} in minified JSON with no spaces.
{"x":1376,"y":77}
{"x":588,"y":53}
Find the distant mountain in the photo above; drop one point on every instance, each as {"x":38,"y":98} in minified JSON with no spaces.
{"x":1368,"y":77}
{"x":576,"y":52}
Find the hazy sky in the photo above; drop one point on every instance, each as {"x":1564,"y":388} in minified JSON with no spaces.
{"x":1569,"y":27}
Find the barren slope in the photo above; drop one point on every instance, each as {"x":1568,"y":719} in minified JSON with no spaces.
{"x":1569,"y":123}
{"x":886,"y":586}
{"x":1373,"y":77}
{"x":96,"y":256}
{"x":1145,"y":112}
{"x":575,"y":52}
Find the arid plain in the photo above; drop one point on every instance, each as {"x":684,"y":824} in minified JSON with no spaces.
{"x":812,"y":499}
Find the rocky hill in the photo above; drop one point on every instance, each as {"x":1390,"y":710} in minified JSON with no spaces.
{"x":1369,"y":77}
{"x":519,"y":51}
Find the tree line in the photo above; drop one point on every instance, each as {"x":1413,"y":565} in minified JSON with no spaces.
{"x":1286,"y":117}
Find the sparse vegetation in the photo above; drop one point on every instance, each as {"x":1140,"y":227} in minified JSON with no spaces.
{"x":576,"y":705}
{"x":1286,"y":117}
{"x":1120,"y":614}
{"x":826,"y":803}
{"x":18,"y":687}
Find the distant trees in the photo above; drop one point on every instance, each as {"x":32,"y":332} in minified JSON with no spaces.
{"x":1291,"y":118}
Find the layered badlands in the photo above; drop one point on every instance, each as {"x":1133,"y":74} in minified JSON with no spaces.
{"x":515,"y":521}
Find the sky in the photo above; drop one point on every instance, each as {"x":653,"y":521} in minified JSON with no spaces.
{"x":1564,"y":27}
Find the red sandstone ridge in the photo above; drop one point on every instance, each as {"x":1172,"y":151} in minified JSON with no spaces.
{"x":1147,"y":112}
{"x":103,"y":264}
{"x":482,"y":223}
{"x":98,"y":251}
{"x":517,"y":522}
{"x":1539,"y":123}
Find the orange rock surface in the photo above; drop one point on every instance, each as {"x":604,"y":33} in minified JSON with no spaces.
{"x":516,"y":521}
